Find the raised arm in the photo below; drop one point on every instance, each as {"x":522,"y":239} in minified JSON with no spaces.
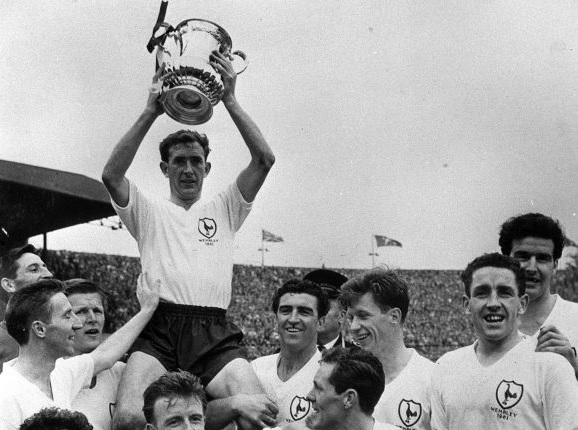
{"x":117,"y":344}
{"x":252,"y":177}
{"x":113,"y":174}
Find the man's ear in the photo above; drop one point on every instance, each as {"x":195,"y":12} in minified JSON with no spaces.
{"x":524,"y":300}
{"x":349,"y":398}
{"x":149,"y":426}
{"x":395,"y":315}
{"x":321,"y":322}
{"x":466,"y":303}
{"x":207,"y":168}
{"x":164,"y":168}
{"x":8,"y":285}
{"x":39,"y":329}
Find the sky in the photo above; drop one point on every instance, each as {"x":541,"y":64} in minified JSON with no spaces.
{"x":430,"y":122}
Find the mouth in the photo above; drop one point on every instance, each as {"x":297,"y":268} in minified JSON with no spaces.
{"x":293,"y":330}
{"x":188,"y":180}
{"x":92,"y":332}
{"x":493,"y":318}
{"x":360,"y":338}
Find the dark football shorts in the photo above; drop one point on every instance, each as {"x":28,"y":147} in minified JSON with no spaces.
{"x":197,"y":339}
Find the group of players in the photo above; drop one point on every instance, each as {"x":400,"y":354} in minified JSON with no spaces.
{"x":186,"y":367}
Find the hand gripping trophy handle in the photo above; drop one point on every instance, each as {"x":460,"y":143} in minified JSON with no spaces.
{"x":243,"y":57}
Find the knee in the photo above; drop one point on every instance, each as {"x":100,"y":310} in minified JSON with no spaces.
{"x":128,"y":420}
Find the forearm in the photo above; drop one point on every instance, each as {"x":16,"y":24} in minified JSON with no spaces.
{"x":261,"y":152}
{"x":116,"y":345}
{"x":125,"y":150}
{"x":220,"y":412}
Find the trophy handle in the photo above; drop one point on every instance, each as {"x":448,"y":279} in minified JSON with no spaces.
{"x":243,"y":57}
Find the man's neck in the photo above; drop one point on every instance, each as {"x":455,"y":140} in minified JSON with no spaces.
{"x":2,"y":310}
{"x":35,"y":365}
{"x":292,"y":360}
{"x":358,"y":421}
{"x":327,"y":338}
{"x":537,"y":313}
{"x":489,"y":353}
{"x":394,"y":356}
{"x":186,"y":204}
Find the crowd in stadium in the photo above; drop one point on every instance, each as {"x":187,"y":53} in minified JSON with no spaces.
{"x":435,"y":323}
{"x":327,"y":350}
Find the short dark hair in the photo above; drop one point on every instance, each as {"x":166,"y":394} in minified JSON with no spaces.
{"x":298,"y":286}
{"x":183,"y":136}
{"x":531,"y":225}
{"x":171,"y":385}
{"x":30,"y":304}
{"x":56,"y":419}
{"x":497,"y":260}
{"x":84,"y":286}
{"x":8,"y":266}
{"x":356,"y":369}
{"x":388,"y":289}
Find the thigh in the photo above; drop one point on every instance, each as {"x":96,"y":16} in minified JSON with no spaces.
{"x":140,"y":371}
{"x":236,"y":377}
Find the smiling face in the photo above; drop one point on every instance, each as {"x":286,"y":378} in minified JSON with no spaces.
{"x":536,"y":256}
{"x":186,"y":169}
{"x":494,"y":305}
{"x":30,"y":269}
{"x":178,"y":413}
{"x":60,"y":331}
{"x":297,"y":320}
{"x":328,"y":406}
{"x":369,"y":325}
{"x":89,"y":309}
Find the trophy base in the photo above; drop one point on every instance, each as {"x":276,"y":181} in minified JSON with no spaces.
{"x":187,"y":105}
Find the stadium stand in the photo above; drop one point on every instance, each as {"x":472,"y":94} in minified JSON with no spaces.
{"x":435,"y":324}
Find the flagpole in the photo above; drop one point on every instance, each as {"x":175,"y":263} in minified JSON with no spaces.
{"x":372,"y":253}
{"x":262,"y":251}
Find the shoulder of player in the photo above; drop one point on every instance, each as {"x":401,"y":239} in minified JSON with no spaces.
{"x":550,"y":360}
{"x":452,"y":357}
{"x":264,"y":361}
{"x":422,"y":361}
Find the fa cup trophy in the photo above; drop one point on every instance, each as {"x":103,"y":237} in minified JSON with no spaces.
{"x":190,"y":85}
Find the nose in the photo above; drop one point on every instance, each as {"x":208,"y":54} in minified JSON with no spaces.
{"x":530,"y":264}
{"x":189,"y":167}
{"x":354,"y":324}
{"x":76,"y":323}
{"x":493,"y":301}
{"x":45,"y":273}
{"x":90,"y":315}
{"x":293,"y":316}
{"x":311,"y":396}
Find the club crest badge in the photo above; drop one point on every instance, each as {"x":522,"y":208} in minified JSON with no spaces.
{"x":509,"y":394}
{"x":299,"y":408}
{"x":409,"y":412}
{"x":207,"y":227}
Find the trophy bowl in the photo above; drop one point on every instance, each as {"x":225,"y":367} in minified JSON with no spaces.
{"x":190,"y":85}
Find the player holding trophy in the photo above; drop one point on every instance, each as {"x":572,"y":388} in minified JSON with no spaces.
{"x":187,"y":242}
